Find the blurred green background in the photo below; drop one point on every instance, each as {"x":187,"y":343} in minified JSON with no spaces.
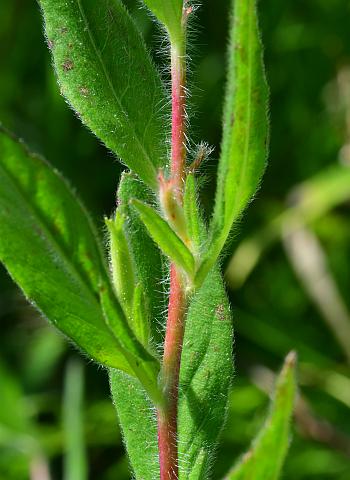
{"x":288,"y":265}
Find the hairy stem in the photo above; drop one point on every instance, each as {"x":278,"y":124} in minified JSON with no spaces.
{"x":167,"y":416}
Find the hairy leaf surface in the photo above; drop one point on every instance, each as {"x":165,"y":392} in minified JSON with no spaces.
{"x":169,"y":13}
{"x":265,"y":458}
{"x":205,"y":377}
{"x":49,"y":246}
{"x":245,"y":130}
{"x":106,"y":74}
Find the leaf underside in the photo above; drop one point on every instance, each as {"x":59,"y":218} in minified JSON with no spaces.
{"x":107,"y":75}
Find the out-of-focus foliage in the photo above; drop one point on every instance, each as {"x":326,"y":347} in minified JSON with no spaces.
{"x":307,"y":53}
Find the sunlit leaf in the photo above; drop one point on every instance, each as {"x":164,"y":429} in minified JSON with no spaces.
{"x":245,"y":130}
{"x":106,"y":74}
{"x":49,"y":246}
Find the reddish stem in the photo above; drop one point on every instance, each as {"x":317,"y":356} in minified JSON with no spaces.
{"x":167,"y":416}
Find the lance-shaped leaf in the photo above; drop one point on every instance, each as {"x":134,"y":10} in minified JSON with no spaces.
{"x":49,"y":246}
{"x":245,"y":130}
{"x":165,"y":237}
{"x":265,"y":458}
{"x":106,"y":74}
{"x":169,"y":13}
{"x":205,"y":377}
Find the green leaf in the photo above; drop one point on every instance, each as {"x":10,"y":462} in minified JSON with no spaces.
{"x":265,"y":458}
{"x":169,"y":13}
{"x":165,"y":237}
{"x":75,"y":461}
{"x":245,"y":130}
{"x":138,"y":421}
{"x":151,"y":268}
{"x":136,"y":417}
{"x":49,"y":246}
{"x":143,"y":364}
{"x":106,"y":74}
{"x":205,"y":377}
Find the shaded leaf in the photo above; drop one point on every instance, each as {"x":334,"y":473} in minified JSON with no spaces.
{"x":135,"y":411}
{"x":205,"y":377}
{"x":245,"y":130}
{"x":139,"y":424}
{"x":106,"y":74}
{"x":165,"y":237}
{"x":265,"y":458}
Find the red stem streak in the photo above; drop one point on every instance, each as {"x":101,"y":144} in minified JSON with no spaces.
{"x":167,"y":416}
{"x":167,"y":419}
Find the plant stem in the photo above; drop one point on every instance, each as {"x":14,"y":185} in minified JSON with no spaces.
{"x":167,"y":416}
{"x":178,"y":100}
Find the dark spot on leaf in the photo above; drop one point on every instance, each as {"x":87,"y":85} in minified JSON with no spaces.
{"x":63,"y":30}
{"x":84,"y":91}
{"x":68,"y":65}
{"x":50,"y":44}
{"x":220,"y":313}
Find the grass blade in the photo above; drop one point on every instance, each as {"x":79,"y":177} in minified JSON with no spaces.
{"x":75,"y":461}
{"x":265,"y":458}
